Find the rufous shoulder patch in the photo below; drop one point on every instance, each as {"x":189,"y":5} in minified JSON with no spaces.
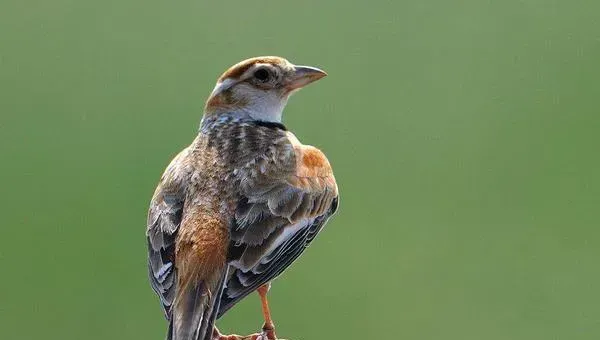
{"x":310,"y":161}
{"x":313,"y":158}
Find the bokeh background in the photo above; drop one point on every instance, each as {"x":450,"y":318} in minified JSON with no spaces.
{"x":464,"y":136}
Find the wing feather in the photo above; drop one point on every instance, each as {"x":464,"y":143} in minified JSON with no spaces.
{"x":284,"y":203}
{"x":164,"y":219}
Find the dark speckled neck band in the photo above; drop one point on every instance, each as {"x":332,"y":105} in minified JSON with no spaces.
{"x":270,"y":125}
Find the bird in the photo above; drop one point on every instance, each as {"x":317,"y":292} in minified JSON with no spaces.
{"x":238,"y":205}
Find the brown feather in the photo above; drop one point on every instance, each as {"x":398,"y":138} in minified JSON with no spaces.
{"x":237,"y":70}
{"x":201,"y":247}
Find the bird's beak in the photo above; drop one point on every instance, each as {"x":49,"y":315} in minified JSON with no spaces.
{"x":304,"y":75}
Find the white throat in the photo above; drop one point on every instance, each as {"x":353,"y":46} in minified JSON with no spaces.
{"x":266,"y":109}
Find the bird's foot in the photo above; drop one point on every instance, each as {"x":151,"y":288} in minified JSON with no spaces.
{"x":268,"y":330}
{"x":264,"y":335}
{"x":255,"y":336}
{"x":237,"y":337}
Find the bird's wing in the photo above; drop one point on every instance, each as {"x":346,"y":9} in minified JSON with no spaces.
{"x":287,"y":196}
{"x":164,"y":219}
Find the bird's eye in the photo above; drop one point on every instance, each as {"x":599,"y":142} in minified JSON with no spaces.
{"x":262,"y":75}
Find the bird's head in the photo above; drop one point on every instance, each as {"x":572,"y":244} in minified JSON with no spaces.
{"x":259,"y":87}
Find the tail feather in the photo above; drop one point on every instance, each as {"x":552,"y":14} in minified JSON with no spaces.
{"x":195,"y":310}
{"x":213,"y":309}
{"x":170,"y":331}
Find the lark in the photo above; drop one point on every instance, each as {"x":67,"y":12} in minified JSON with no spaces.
{"x":235,"y":208}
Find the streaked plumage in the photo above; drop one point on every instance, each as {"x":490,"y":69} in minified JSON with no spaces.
{"x":234,"y":209}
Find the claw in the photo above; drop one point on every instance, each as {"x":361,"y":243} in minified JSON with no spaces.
{"x":256,"y":336}
{"x":268,"y":333}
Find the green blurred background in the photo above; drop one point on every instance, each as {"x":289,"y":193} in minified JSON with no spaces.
{"x":464,"y":136}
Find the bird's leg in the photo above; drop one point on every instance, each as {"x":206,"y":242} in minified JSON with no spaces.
{"x":268,"y":327}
